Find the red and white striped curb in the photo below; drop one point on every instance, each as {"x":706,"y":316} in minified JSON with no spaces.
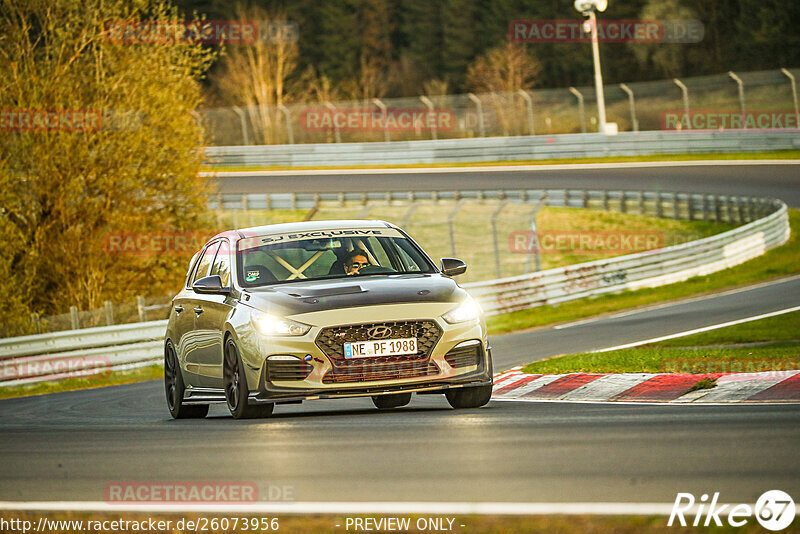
{"x":771,"y":386}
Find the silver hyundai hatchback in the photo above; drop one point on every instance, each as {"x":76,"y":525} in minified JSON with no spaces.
{"x":316,"y":310}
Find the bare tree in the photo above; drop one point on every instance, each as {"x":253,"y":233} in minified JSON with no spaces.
{"x":501,"y":73}
{"x":257,"y":75}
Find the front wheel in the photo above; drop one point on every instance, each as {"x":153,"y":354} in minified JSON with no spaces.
{"x":236,"y":390}
{"x":175,"y":388}
{"x":473,"y":397}
{"x":387,"y":402}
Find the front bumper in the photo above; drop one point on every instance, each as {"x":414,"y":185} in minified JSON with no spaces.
{"x":317,"y":373}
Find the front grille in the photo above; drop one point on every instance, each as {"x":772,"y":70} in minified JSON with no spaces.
{"x":331,"y":342}
{"x":286,"y":370}
{"x":464,"y":356}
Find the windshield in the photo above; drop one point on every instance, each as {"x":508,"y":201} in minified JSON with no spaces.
{"x":325,"y":254}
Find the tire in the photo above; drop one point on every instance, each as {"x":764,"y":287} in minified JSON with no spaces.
{"x":473,"y":397}
{"x":387,"y":402}
{"x":236,"y":390}
{"x":175,"y":388}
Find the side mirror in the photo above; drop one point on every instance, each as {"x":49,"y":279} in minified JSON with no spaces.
{"x":210,"y":285}
{"x":452,"y":267}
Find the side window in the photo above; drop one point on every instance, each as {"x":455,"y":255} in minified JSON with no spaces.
{"x":205,"y":262}
{"x":222,"y":263}
{"x":192,"y":263}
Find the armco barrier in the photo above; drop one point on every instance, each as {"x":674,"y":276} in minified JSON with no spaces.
{"x":94,"y":350}
{"x":634,"y":271}
{"x":515,"y":148}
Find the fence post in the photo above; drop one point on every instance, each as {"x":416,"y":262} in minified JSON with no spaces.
{"x":495,"y":215}
{"x":536,"y":252}
{"x":451,"y":227}
{"x":623,"y":203}
{"x":288,"y":116}
{"x":109,"y":312}
{"x":685,"y":95}
{"x":74,"y":319}
{"x":243,"y":120}
{"x":37,"y":323}
{"x":631,"y":105}
{"x":740,"y":85}
{"x":529,"y":109}
{"x":581,"y":109}
{"x":605,"y":200}
{"x":428,"y":104}
{"x":642,"y":209}
{"x":141,"y":308}
{"x":690,"y":205}
{"x":794,"y":97}
{"x":337,"y":135}
{"x":479,"y":108}
{"x":676,"y":209}
{"x":659,"y":206}
{"x":386,"y":135}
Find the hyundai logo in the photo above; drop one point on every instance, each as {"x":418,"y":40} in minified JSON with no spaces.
{"x":379,"y":332}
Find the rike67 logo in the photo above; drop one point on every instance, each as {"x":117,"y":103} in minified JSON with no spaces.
{"x":774,"y":510}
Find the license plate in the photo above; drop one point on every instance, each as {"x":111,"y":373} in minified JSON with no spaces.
{"x":384,"y":347}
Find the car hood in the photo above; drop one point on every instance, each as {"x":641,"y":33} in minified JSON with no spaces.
{"x":311,"y":296}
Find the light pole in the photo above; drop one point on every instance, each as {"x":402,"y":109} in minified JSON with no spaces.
{"x":588,"y":8}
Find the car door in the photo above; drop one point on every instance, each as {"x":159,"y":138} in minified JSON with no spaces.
{"x":197,"y":339}
{"x":209,"y":322}
{"x":183,"y":321}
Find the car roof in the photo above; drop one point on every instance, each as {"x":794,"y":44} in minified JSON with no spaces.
{"x":303,"y":226}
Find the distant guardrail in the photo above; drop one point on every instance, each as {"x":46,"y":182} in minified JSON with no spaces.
{"x":95,"y":350}
{"x":634,"y":271}
{"x":530,"y":147}
{"x":80,"y":353}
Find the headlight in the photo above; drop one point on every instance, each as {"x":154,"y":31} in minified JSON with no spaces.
{"x":469,"y":310}
{"x":269,"y":325}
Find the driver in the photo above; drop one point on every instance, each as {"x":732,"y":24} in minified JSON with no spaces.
{"x":354,"y":261}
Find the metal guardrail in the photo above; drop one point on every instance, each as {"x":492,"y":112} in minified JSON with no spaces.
{"x":531,"y":147}
{"x":635,"y":271}
{"x":80,"y":353}
{"x":96,"y":350}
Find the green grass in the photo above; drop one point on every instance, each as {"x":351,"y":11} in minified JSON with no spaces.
{"x":778,"y":154}
{"x":770,"y":344}
{"x":113,"y":379}
{"x":705,"y":383}
{"x":781,"y":261}
{"x":784,"y":327}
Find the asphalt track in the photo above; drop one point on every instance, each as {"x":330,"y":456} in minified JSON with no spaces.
{"x":69,"y":446}
{"x":780,"y":180}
